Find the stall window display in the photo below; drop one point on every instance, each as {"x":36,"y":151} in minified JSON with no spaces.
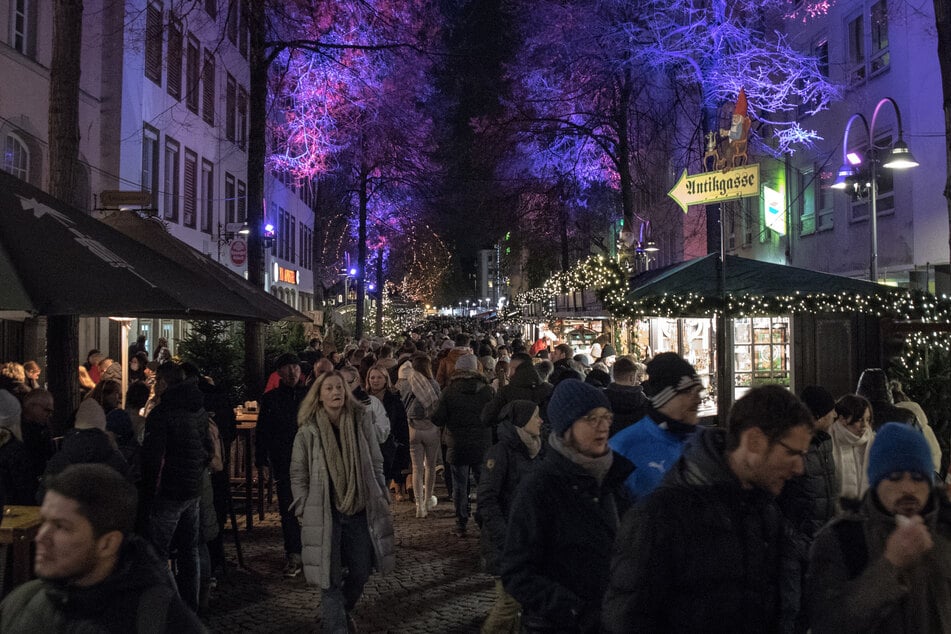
{"x":761,"y":351}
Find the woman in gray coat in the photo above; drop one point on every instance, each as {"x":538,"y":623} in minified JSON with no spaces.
{"x":340,"y":497}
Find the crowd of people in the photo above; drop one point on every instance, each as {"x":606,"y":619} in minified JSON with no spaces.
{"x":601,"y":501}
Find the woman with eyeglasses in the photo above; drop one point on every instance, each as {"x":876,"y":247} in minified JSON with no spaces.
{"x":852,"y":437}
{"x":340,"y":497}
{"x":560,"y":537}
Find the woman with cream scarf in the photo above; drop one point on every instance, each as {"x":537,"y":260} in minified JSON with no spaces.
{"x":340,"y":496}
{"x":852,"y":437}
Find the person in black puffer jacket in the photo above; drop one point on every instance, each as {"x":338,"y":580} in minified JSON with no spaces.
{"x":175,"y":453}
{"x":808,"y":502}
{"x":88,"y":442}
{"x":525,"y":383}
{"x":467,"y":436}
{"x":507,"y":463}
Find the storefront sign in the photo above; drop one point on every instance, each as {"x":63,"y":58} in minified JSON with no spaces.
{"x":239,"y":252}
{"x":288,"y":276}
{"x":774,"y":210}
{"x":715,"y":187}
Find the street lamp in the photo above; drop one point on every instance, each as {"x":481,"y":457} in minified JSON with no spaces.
{"x":899,"y":157}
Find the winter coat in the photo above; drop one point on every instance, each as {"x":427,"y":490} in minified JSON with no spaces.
{"x":525,"y":384}
{"x":277,"y":427}
{"x":628,"y":404}
{"x":562,"y":371}
{"x":313,"y":503}
{"x":18,"y":479}
{"x":177,"y":447}
{"x":810,"y":500}
{"x":459,"y":411}
{"x":447,"y":366}
{"x":652,"y":450}
{"x":83,"y":446}
{"x":700,"y":554}
{"x":136,"y":597}
{"x":559,"y":542}
{"x":506,"y":464}
{"x":855,"y":589}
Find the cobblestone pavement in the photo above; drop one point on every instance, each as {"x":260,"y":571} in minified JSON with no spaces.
{"x":437,"y":585}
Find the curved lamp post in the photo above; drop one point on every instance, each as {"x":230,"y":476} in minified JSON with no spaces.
{"x":898,"y":157}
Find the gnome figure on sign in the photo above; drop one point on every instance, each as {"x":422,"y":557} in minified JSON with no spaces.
{"x":732,"y":151}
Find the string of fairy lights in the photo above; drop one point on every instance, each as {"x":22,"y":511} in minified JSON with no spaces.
{"x":609,"y":282}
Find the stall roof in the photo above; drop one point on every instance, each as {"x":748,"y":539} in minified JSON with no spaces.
{"x":745,"y":278}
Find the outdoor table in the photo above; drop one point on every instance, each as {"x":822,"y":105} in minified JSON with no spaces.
{"x":18,"y":529}
{"x":247,"y":422}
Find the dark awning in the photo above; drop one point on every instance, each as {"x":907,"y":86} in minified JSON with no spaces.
{"x":56,"y":260}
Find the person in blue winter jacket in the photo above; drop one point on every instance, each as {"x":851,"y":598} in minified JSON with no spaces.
{"x":655,"y":442}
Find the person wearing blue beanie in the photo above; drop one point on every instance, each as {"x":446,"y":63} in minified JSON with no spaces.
{"x":565,"y":517}
{"x":887,"y":566}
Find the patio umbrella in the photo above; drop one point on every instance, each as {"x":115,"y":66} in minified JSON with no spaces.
{"x":56,"y":260}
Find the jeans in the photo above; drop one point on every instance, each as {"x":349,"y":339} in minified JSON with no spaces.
{"x":351,"y":560}
{"x":460,"y":490}
{"x":174,"y":523}
{"x":290,"y":525}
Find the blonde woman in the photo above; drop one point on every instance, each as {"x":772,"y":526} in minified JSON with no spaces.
{"x":340,"y":498}
{"x":420,"y":394}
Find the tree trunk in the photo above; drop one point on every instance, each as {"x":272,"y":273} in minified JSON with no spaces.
{"x":257,"y":117}
{"x":62,"y":332}
{"x":942,"y":15}
{"x":379,"y":293}
{"x":361,"y":254}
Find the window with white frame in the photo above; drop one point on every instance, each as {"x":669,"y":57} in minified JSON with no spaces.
{"x":171,"y":183}
{"x":16,"y":157}
{"x":150,"y":161}
{"x":868,"y":44}
{"x":190,"y":206}
{"x":23,"y":20}
{"x":207,"y":195}
{"x":192,"y":63}
{"x":230,"y":200}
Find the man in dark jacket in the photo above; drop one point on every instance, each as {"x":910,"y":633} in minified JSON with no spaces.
{"x":507,"y":463}
{"x":525,"y":383}
{"x":886,"y":567}
{"x":559,"y":539}
{"x":277,"y":427}
{"x":94,"y":574}
{"x":467,"y":436}
{"x":808,"y":502}
{"x":703,"y":552}
{"x":626,"y":395}
{"x":561,"y":357}
{"x":175,"y":453}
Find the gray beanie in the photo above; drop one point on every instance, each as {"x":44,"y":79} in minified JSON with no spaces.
{"x":90,"y":415}
{"x":571,"y":400}
{"x":467,"y":363}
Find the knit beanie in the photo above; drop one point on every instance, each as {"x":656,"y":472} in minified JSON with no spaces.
{"x":818,"y":400}
{"x":288,"y":358}
{"x":667,"y":376}
{"x":90,"y":415}
{"x":467,"y":363}
{"x":898,"y":447}
{"x":518,"y":412}
{"x":571,"y":400}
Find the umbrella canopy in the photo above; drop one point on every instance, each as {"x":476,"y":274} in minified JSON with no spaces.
{"x":745,"y":278}
{"x":56,"y":260}
{"x":202,"y":267}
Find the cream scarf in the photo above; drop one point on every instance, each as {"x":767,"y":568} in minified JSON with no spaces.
{"x":532,"y":442}
{"x":343,"y":461}
{"x":850,"y":454}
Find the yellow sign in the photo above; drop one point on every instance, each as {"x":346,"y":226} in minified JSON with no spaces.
{"x":715,"y":187}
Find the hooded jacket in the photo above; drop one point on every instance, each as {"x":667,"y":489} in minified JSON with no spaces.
{"x":701,"y":554}
{"x":112,"y":605}
{"x":880,"y":598}
{"x":277,"y":426}
{"x":459,"y":411}
{"x":525,"y":384}
{"x":177,"y":447}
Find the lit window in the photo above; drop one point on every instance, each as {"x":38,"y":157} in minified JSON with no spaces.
{"x":16,"y":157}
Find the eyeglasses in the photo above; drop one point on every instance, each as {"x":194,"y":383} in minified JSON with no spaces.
{"x":898,"y":476}
{"x":792,"y":451}
{"x":598,"y":421}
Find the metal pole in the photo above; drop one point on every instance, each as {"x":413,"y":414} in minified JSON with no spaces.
{"x":873,"y":189}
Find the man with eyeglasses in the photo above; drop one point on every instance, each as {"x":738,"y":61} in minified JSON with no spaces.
{"x":655,"y":442}
{"x":566,"y":513}
{"x":702,"y":552}
{"x":886,"y":567}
